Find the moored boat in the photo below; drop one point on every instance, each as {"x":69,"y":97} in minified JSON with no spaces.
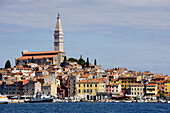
{"x":3,"y":99}
{"x":39,"y":99}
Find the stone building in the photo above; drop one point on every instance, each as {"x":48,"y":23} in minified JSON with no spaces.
{"x":114,"y":88}
{"x":32,"y":87}
{"x":47,"y":57}
{"x":58,"y":36}
{"x":137,"y":89}
{"x":42,"y":58}
{"x":71,"y":86}
{"x":13,"y":88}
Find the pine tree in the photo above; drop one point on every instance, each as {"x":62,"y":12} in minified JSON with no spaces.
{"x":64,"y":62}
{"x":25,"y":62}
{"x":7,"y":64}
{"x":95,"y":62}
{"x":81,"y":61}
{"x":17,"y":63}
{"x":87,"y":63}
{"x":32,"y":60}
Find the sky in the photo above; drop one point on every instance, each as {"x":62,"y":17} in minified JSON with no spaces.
{"x":118,"y":33}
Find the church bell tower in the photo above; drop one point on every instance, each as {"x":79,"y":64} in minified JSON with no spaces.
{"x":58,"y":36}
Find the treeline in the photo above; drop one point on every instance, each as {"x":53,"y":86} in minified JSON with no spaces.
{"x":80,"y":61}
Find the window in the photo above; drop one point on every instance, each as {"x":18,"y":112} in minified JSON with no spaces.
{"x":166,"y":86}
{"x":90,"y":90}
{"x":84,"y":85}
{"x":158,"y":83}
{"x":166,"y":89}
{"x":138,"y":89}
{"x":122,"y":81}
{"x":95,"y":90}
{"x":90,"y":85}
{"x":158,"y":88}
{"x":87,"y":90}
{"x":162,"y":83}
{"x":79,"y":91}
{"x":135,"y":89}
{"x":132,"y":88}
{"x":87,"y":85}
{"x":95,"y":85}
{"x":79,"y":85}
{"x":128,"y":81}
{"x":84,"y":91}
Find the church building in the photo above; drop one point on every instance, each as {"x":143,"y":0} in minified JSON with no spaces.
{"x":47,"y":57}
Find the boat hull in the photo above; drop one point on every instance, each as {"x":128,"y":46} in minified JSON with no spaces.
{"x":39,"y":101}
{"x":3,"y":100}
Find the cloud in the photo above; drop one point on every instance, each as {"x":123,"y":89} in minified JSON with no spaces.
{"x":117,"y":29}
{"x":85,"y":15}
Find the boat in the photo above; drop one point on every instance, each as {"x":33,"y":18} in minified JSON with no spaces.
{"x":39,"y":99}
{"x":168,"y":101}
{"x":3,"y":99}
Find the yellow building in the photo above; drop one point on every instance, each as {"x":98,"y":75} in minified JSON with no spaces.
{"x":88,"y":89}
{"x":151,"y":89}
{"x":167,"y":88}
{"x":126,"y":80}
{"x":58,"y":82}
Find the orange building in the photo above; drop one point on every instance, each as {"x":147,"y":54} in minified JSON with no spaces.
{"x":160,"y":80}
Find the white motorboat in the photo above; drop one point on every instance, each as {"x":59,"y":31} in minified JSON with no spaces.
{"x":39,"y":99}
{"x":3,"y":99}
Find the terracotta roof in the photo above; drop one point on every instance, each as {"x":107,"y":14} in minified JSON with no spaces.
{"x":46,"y":85}
{"x":101,"y":80}
{"x":9,"y":83}
{"x":43,"y":52}
{"x":136,"y":84}
{"x":150,"y":84}
{"x":85,"y":75}
{"x":112,"y":74}
{"x":36,"y":57}
{"x":114,"y":84}
{"x":53,"y":71}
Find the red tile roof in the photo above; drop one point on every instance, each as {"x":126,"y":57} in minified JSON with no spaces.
{"x":36,"y":57}
{"x":43,"y":52}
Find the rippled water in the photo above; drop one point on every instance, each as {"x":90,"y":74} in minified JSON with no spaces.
{"x":85,"y":108}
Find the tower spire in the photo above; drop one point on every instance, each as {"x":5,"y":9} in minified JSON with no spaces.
{"x":58,"y":35}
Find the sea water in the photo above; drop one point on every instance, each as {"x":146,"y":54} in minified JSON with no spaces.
{"x":85,"y":108}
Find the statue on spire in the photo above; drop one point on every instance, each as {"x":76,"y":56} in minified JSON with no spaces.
{"x":58,"y":15}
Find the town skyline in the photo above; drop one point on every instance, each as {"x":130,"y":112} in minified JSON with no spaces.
{"x":137,"y":39}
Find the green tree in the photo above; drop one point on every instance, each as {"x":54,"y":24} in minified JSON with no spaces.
{"x":87,"y":63}
{"x":64,"y":62}
{"x":17,"y":63}
{"x":161,"y":95}
{"x":72,"y":60}
{"x":81,"y":61}
{"x":32,"y":60}
{"x":25,"y":62}
{"x":7,"y":64}
{"x":95,"y":62}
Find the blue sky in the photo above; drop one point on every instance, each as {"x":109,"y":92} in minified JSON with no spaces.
{"x":119,"y":33}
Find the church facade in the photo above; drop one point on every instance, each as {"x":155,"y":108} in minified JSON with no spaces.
{"x":47,"y":57}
